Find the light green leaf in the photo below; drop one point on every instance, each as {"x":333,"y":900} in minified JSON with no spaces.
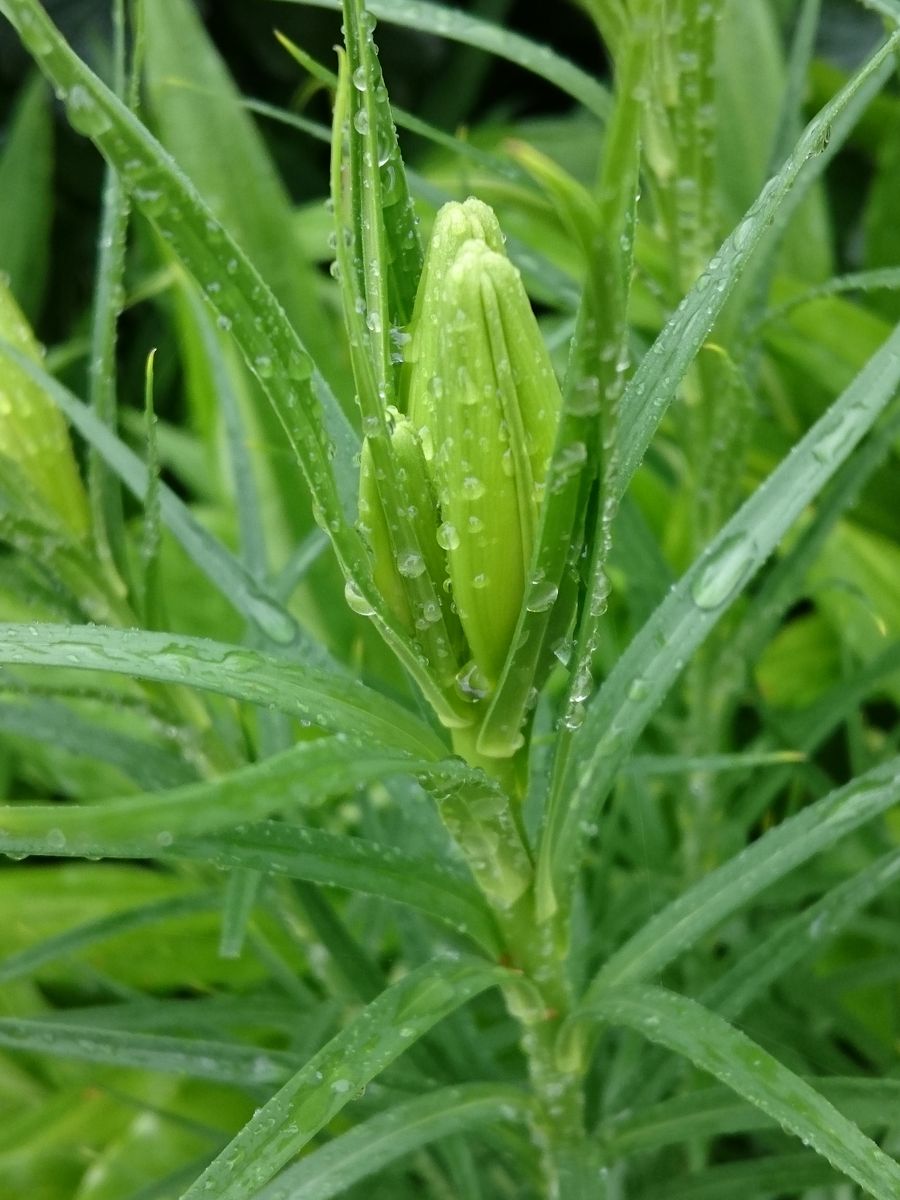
{"x":182,"y":825}
{"x":330,"y":1080}
{"x":303,"y":776}
{"x":355,"y":863}
{"x":712,"y":1044}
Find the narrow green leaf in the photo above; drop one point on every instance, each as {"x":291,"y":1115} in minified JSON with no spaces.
{"x":354,"y":863}
{"x":366,"y":1149}
{"x":645,"y":672}
{"x":26,"y":167}
{"x":758,"y":1179}
{"x":712,"y":1044}
{"x":331,"y":1079}
{"x":678,"y":926}
{"x":241,"y":894}
{"x":799,"y":937}
{"x":316,"y":697}
{"x":463,"y":27}
{"x":714,"y":1111}
{"x":149,"y":763}
{"x":197,"y":110}
{"x":104,"y":491}
{"x":224,"y":1062}
{"x":322,"y":440}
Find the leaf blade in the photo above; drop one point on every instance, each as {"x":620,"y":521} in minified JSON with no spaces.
{"x":684,"y":1026}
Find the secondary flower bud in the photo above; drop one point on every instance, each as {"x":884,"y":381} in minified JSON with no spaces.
{"x":485,"y":402}
{"x":33,"y":434}
{"x":391,"y":567}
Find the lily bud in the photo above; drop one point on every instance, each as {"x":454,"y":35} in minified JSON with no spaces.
{"x":33,"y":433}
{"x":389,"y":570}
{"x":484,"y":400}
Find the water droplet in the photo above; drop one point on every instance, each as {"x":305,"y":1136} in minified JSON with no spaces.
{"x":724,"y":571}
{"x":447,"y":536}
{"x":150,"y":200}
{"x":542,"y":596}
{"x":356,"y":600}
{"x":85,"y":114}
{"x":472,"y":683}
{"x":562,"y":650}
{"x":361,"y":121}
{"x":574,"y":717}
{"x":264,"y":366}
{"x":473,"y":487}
{"x":410,"y":564}
{"x":360,"y":79}
{"x":55,"y":840}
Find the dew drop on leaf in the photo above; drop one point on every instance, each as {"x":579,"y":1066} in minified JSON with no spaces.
{"x":724,"y":571}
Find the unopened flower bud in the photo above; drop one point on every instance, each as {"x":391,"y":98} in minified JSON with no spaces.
{"x":33,"y":433}
{"x":484,"y":400}
{"x":392,"y":565}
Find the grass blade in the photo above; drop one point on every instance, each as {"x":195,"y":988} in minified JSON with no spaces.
{"x":712,"y":1044}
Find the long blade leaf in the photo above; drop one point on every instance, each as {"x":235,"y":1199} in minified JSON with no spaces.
{"x":330,"y":1080}
{"x":645,"y":672}
{"x":712,"y":1044}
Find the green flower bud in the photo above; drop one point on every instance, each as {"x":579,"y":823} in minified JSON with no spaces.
{"x":390,"y":568}
{"x":33,"y":433}
{"x":484,"y":400}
